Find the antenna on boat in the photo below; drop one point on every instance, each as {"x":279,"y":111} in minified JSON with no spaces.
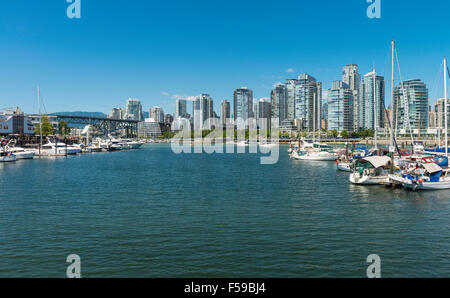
{"x":392,"y":96}
{"x":375,"y":116}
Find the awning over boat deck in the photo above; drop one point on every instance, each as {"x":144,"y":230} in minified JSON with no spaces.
{"x":432,"y":168}
{"x":377,"y":161}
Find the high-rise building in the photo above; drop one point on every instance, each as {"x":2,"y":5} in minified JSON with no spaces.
{"x":203,"y":110}
{"x":308,"y":102}
{"x":157,"y":114}
{"x":278,"y":98}
{"x":352,"y":78}
{"x":290,"y":98}
{"x":225,"y":112}
{"x":415,"y":92}
{"x":134,"y":110}
{"x":432,"y":120}
{"x":439,"y":108}
{"x":371,"y":102}
{"x":243,"y":104}
{"x":168,"y":119}
{"x":265,"y":112}
{"x":340,"y":107}
{"x":181,"y":108}
{"x":116,"y":113}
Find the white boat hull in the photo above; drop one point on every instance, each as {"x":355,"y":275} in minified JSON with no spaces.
{"x":322,"y":156}
{"x":427,"y":185}
{"x":10,"y":158}
{"x":345,"y":167}
{"x":24,"y":155}
{"x":368,"y":180}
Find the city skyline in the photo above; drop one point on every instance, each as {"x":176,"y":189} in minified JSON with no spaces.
{"x":97,"y":62}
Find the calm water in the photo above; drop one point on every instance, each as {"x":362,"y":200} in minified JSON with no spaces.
{"x":150,"y":213}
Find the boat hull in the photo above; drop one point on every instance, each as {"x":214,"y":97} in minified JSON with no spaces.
{"x":368,"y":180}
{"x":344,"y":167}
{"x":10,"y":158}
{"x":25,"y":155}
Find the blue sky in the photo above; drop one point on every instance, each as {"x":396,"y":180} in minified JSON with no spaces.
{"x":154,"y":50}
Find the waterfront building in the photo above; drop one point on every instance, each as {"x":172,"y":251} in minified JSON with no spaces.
{"x":340,"y":107}
{"x":439,"y":108}
{"x":371,"y":102}
{"x":432,"y":119}
{"x":225,"y":112}
{"x":265,"y":113}
{"x":290,"y":98}
{"x":15,"y":122}
{"x":149,"y":129}
{"x":134,"y":110}
{"x":352,"y":78}
{"x":203,"y":111}
{"x":35,"y":120}
{"x":278,"y":98}
{"x":308,"y":100}
{"x":243,"y":104}
{"x":168,"y":119}
{"x":181,"y":109}
{"x":157,"y":114}
{"x":415,"y":92}
{"x":288,"y":126}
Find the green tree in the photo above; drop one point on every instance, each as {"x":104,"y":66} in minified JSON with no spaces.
{"x":64,"y":128}
{"x":334,"y":133}
{"x":344,"y":134}
{"x":47,"y":128}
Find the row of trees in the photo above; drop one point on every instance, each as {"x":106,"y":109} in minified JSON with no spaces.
{"x":333,"y":134}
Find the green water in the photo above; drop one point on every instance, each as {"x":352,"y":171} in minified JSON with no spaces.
{"x":151,"y":213}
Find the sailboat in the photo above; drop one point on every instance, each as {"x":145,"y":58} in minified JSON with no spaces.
{"x":316,"y":151}
{"x":432,"y":176}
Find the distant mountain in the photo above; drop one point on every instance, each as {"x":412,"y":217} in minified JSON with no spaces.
{"x":82,"y":114}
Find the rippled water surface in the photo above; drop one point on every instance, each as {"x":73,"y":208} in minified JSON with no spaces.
{"x":151,"y":213}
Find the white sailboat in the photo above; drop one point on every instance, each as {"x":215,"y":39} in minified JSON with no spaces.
{"x":371,"y":170}
{"x":433,"y":177}
{"x":315,"y":153}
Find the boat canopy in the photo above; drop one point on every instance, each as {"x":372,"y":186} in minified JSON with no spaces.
{"x":377,"y":161}
{"x":432,"y":168}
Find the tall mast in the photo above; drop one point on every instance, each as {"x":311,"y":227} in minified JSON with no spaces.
{"x":445,"y":107}
{"x":314,"y":118}
{"x":375,"y":120}
{"x":393,"y":132}
{"x":40,"y":119}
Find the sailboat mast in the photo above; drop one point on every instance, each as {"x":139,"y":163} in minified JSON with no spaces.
{"x":375,"y":122}
{"x":393,"y":133}
{"x":40,"y":119}
{"x":445,"y":107}
{"x":314,"y":118}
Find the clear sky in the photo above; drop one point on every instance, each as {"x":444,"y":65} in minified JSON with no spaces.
{"x":155,"y":50}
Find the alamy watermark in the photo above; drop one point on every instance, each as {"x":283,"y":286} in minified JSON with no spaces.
{"x":374,"y":9}
{"x":74,"y":9}
{"x":229,"y":138}
{"x":374,"y":270}
{"x":74,"y":269}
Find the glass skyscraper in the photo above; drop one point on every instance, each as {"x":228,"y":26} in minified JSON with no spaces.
{"x":371,"y":102}
{"x":416,"y":94}
{"x":134,"y":110}
{"x":278,"y":98}
{"x":243,"y":104}
{"x":340,"y":107}
{"x":352,"y":78}
{"x":308,"y":101}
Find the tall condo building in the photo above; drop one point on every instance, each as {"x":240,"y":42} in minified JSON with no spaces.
{"x":278,"y":98}
{"x":415,"y":92}
{"x":134,"y":110}
{"x":290,"y":98}
{"x":340,"y":107}
{"x":352,"y":78}
{"x":181,"y":108}
{"x":265,"y":113}
{"x":371,"y":102}
{"x":439,"y":108}
{"x":157,"y":114}
{"x":243,"y":104}
{"x":203,"y":110}
{"x":308,"y":102}
{"x":225,"y":112}
{"x":116,"y":113}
